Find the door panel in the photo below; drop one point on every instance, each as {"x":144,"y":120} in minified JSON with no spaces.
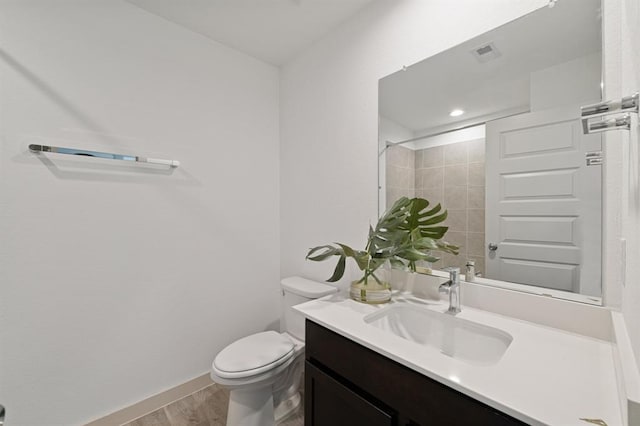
{"x":525,"y":250}
{"x":552,"y":230}
{"x":543,"y":202}
{"x":540,"y":273}
{"x":549,"y":138}
{"x":547,"y":184}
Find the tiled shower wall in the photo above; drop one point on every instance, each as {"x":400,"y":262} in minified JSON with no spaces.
{"x":453,"y":175}
{"x":400,"y":173}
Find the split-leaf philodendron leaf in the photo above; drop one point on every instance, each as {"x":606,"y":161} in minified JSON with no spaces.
{"x":405,"y":234}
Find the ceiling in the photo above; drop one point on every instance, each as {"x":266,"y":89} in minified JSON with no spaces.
{"x":271,"y":30}
{"x":421,"y":97}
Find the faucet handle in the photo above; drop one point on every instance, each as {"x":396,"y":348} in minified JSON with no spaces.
{"x":454,"y":273}
{"x":453,"y":288}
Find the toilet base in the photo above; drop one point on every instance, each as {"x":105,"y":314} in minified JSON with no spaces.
{"x":255,"y":408}
{"x":251,"y":408}
{"x":287,"y":407}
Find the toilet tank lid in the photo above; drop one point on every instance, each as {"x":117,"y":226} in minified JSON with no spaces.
{"x":307,"y":288}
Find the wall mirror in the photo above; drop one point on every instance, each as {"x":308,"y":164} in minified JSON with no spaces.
{"x":490,"y":129}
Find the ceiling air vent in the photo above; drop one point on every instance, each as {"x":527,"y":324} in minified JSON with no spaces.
{"x":486,"y":52}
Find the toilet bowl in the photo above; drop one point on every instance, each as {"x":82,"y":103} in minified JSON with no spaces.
{"x":263,"y":371}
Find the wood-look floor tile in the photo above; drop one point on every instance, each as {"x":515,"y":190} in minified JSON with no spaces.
{"x":156,"y":418}
{"x":207,"y":407}
{"x":184,"y":412}
{"x":296,"y":420}
{"x":212,"y":403}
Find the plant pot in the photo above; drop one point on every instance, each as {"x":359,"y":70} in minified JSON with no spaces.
{"x":371,"y":292}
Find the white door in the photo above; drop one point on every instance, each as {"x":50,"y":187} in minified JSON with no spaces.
{"x":543,"y":203}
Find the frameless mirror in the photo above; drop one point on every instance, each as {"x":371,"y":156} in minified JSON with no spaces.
{"x":490,"y":129}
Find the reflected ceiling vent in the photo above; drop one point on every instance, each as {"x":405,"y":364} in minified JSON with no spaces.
{"x":486,"y":52}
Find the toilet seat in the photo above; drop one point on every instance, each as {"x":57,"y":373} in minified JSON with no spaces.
{"x":253,"y":355}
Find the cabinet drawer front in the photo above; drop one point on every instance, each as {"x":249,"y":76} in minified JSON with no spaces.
{"x":329,"y":403}
{"x":413,"y":395}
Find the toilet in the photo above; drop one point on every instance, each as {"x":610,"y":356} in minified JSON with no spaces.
{"x":263,"y":371}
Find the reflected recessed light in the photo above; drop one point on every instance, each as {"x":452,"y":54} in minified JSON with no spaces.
{"x":456,"y":112}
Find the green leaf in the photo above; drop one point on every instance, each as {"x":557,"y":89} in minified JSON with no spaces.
{"x":426,"y":243}
{"x":413,"y":255}
{"x":348,"y":251}
{"x":329,"y":251}
{"x":406,"y":233}
{"x":433,"y":211}
{"x":435,"y":232}
{"x":397,"y":263}
{"x":434,"y":220}
{"x":446,"y":247}
{"x":339,"y":271}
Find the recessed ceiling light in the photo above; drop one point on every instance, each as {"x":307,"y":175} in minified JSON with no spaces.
{"x":456,"y":113}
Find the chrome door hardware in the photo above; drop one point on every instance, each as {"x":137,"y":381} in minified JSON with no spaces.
{"x":594,"y":158}
{"x":493,"y":247}
{"x":2,"y":412}
{"x":626,"y":106}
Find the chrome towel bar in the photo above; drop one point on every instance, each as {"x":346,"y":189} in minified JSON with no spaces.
{"x":72,"y":151}
{"x":625,"y":106}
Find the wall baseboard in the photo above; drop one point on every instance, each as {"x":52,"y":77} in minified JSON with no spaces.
{"x":153,"y":403}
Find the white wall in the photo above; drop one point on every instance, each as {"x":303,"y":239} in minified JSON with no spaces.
{"x":630,"y":83}
{"x":329,"y":115}
{"x":576,"y":82}
{"x":622,"y":190}
{"x":118,"y":282}
{"x":390,"y":131}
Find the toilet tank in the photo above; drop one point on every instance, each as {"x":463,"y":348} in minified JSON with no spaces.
{"x":296,"y":290}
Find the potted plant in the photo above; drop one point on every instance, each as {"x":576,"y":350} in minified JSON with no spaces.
{"x":407,"y":233}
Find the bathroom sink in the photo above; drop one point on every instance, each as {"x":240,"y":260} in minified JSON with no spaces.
{"x":455,"y":337}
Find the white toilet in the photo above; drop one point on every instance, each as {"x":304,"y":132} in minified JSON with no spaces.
{"x":263,"y":370}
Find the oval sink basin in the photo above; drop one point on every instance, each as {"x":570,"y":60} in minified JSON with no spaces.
{"x":455,"y":337}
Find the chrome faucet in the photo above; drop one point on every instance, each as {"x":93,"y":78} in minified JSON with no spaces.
{"x":452,"y":287}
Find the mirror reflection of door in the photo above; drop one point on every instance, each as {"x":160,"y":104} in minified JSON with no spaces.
{"x":543,"y":216}
{"x":490,"y":130}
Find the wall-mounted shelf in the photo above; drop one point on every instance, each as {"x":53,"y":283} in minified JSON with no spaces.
{"x":105,"y":155}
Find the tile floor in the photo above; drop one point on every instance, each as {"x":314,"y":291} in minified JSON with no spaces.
{"x":206,"y":407}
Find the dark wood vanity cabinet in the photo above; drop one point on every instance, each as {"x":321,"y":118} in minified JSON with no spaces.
{"x":348,"y":384}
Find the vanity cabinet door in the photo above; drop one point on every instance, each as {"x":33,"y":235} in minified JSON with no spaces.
{"x":417,"y":399}
{"x":330,"y":403}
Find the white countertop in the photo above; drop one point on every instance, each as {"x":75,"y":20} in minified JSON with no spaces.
{"x":546,"y":377}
